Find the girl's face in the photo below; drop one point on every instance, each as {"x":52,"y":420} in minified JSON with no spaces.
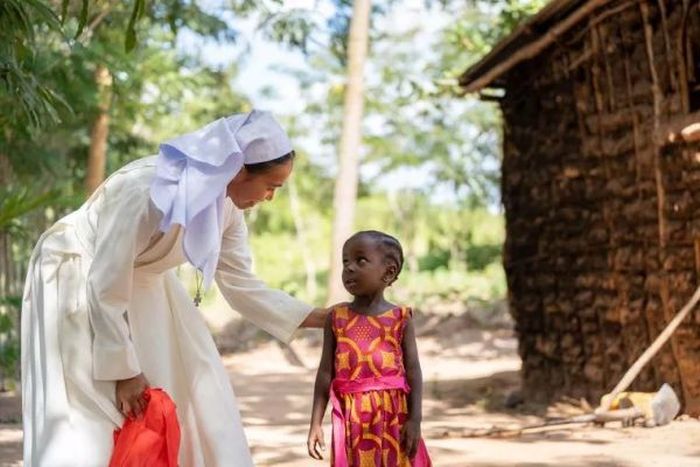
{"x":248,"y":189}
{"x":365,"y":270}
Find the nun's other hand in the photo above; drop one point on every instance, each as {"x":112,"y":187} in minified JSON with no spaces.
{"x":130,"y":396}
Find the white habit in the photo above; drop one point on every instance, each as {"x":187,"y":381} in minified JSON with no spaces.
{"x":107,"y":258}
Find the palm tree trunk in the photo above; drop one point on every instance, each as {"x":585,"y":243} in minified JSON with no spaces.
{"x":97,"y":157}
{"x":345,"y":195}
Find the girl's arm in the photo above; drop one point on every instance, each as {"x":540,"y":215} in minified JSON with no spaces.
{"x":324,"y":377}
{"x":411,"y":430}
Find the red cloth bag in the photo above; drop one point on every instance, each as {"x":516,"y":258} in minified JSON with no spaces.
{"x":153,"y":440}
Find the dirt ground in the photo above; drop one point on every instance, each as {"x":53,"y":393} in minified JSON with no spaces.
{"x":468,"y":373}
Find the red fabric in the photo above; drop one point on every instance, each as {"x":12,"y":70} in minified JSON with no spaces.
{"x":152,"y":440}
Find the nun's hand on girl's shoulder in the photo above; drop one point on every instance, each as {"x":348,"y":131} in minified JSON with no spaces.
{"x":130,"y":395}
{"x":317,"y":318}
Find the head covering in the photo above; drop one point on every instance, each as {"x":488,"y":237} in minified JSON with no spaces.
{"x":193,"y":170}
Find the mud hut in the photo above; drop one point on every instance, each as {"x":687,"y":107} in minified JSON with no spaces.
{"x":601,"y":189}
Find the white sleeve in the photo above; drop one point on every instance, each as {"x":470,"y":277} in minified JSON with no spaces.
{"x":272,"y":310}
{"x":127,"y":219}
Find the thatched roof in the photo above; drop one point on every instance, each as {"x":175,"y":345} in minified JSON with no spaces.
{"x":528,"y":40}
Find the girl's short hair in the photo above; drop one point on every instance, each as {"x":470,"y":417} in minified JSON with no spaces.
{"x":262,"y":167}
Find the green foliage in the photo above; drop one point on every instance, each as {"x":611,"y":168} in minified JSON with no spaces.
{"x":9,"y":340}
{"x":425,"y":289}
{"x":156,"y":91}
{"x":479,"y":26}
{"x":22,"y":94}
{"x":308,"y":30}
{"x":16,"y":203}
{"x":514,"y":12}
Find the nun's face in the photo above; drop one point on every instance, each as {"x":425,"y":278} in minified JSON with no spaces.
{"x":248,"y":189}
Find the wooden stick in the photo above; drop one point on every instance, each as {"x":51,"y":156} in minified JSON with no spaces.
{"x":621,"y":415}
{"x":650,"y":352}
{"x":679,"y":50}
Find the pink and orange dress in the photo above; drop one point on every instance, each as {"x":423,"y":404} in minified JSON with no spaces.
{"x":369,"y":391}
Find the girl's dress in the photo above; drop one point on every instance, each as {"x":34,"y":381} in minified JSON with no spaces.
{"x":369,"y":391}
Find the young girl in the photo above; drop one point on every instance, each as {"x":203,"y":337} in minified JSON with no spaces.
{"x":369,"y":367}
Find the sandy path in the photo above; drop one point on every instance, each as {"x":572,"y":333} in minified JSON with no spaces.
{"x":462,"y":392}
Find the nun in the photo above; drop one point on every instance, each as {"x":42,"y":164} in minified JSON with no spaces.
{"x":104,"y":315}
